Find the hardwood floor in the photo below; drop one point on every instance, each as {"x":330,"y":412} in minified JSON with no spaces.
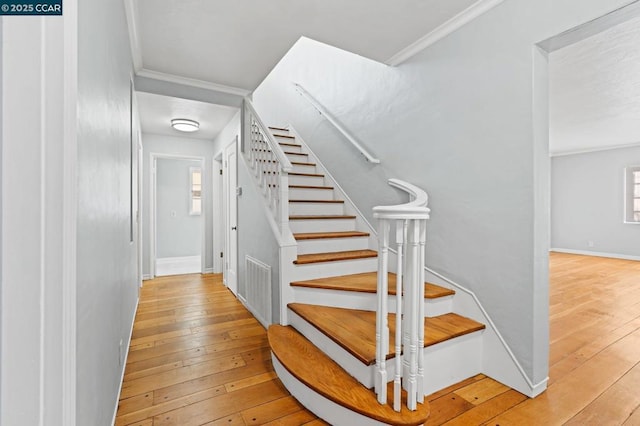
{"x":198,"y":357}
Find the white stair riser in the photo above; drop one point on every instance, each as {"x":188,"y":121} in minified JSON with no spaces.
{"x":310,"y":194}
{"x":290,"y":148}
{"x":316,"y":208}
{"x":329,"y":269}
{"x":299,"y":168}
{"x":306,"y":180}
{"x":292,"y":157}
{"x":332,"y":244}
{"x":322,"y":225}
{"x":446,"y":363}
{"x":364,"y":301}
{"x":348,"y":362}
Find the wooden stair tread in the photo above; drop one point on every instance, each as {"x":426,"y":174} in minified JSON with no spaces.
{"x":301,"y":163}
{"x":289,"y":144}
{"x":318,"y":201}
{"x":323,"y":235}
{"x":355,"y":330}
{"x":310,"y":187}
{"x":283,"y":136}
{"x":304,"y":259}
{"x":279,"y":128}
{"x":312,"y":367}
{"x":367,"y":282}
{"x":295,"y":153}
{"x":305,"y":174}
{"x":321,"y":217}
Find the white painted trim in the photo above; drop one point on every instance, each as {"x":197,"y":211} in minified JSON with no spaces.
{"x":171,"y":78}
{"x":131,"y":11}
{"x":147,"y":277}
{"x":178,"y":265}
{"x":124,"y":361}
{"x":453,"y":24}
{"x":70,"y":213}
{"x":532,"y":389}
{"x":209,"y":271}
{"x":596,"y":254}
{"x":592,"y":149}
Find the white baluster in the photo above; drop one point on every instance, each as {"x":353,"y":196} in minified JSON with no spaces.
{"x":382,"y":327}
{"x":397,"y":382}
{"x":422,"y":223}
{"x":413,"y":277}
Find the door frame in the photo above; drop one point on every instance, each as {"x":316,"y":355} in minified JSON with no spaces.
{"x":153,"y":157}
{"x":229,"y":197}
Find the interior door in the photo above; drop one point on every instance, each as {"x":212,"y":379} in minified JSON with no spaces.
{"x":231,"y":216}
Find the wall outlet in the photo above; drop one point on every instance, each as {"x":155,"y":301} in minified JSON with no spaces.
{"x":590,"y":244}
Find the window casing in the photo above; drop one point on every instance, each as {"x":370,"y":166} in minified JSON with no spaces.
{"x":632,"y":194}
{"x":195,"y":191}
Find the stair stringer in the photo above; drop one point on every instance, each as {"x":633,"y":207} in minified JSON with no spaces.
{"x":498,"y":360}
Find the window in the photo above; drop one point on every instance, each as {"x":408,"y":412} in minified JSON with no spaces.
{"x":632,"y":194}
{"x":195,"y":208}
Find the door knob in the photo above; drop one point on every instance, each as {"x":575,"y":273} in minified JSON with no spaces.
{"x":233,"y":228}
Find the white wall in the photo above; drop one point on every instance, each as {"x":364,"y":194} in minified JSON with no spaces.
{"x":587,"y":203}
{"x":107,"y":287}
{"x":179,"y":233}
{"x":458,"y":120}
{"x":36,"y":367}
{"x":179,"y":146}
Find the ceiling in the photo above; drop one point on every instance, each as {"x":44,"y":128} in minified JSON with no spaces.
{"x":156,"y":112}
{"x":594,"y":91}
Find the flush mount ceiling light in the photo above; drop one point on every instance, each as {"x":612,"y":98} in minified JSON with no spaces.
{"x":185,"y":125}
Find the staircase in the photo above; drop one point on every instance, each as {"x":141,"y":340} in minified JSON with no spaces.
{"x":326,"y":355}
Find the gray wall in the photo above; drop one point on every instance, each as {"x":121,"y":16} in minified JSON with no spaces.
{"x":255,"y":237}
{"x":587,"y":203}
{"x":179,"y":235}
{"x":458,"y":120}
{"x":107,"y":290}
{"x":178,"y":146}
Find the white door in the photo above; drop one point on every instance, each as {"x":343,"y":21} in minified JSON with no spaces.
{"x":231,"y":216}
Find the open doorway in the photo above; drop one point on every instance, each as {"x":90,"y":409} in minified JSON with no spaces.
{"x":178,"y":215}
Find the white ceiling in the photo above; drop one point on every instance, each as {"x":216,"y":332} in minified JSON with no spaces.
{"x":595,"y":91}
{"x":236,"y":43}
{"x":156,"y":112}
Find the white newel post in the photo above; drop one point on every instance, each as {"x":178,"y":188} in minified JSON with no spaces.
{"x":410,"y":223}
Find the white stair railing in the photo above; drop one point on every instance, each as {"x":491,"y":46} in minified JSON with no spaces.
{"x":269,"y":163}
{"x":410,"y":231}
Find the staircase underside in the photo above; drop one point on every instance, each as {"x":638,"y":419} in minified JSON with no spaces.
{"x":367,"y":282}
{"x":355,"y":330}
{"x":314,"y":369}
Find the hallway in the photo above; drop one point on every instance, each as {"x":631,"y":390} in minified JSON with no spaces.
{"x":195,"y":348}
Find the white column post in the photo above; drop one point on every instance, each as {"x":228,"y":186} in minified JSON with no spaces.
{"x":382,"y":327}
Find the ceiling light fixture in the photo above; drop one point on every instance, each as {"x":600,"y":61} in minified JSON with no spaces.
{"x":185,"y":125}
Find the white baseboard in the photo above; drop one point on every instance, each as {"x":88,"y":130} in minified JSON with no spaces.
{"x":178,"y":265}
{"x":209,"y":271}
{"x":146,"y":277}
{"x":596,"y":253}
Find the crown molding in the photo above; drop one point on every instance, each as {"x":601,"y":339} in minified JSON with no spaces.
{"x":592,"y":149}
{"x":134,"y":41}
{"x":172,"y":78}
{"x":462,"y":18}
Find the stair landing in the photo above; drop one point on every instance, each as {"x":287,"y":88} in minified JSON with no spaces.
{"x":313,"y":368}
{"x":367,"y":282}
{"x":355,"y":330}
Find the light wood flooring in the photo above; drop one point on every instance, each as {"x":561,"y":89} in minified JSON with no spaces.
{"x":198,"y":357}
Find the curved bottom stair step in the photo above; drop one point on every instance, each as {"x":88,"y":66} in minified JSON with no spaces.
{"x":313,"y":369}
